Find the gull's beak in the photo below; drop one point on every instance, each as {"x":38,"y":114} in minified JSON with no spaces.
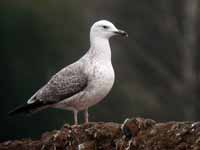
{"x":121,"y":32}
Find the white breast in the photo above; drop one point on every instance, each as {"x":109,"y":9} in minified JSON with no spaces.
{"x":100,"y":83}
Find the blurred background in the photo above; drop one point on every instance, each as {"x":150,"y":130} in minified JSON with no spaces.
{"x":157,"y":68}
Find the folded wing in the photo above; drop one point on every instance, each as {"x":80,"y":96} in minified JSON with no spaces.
{"x":66,"y":83}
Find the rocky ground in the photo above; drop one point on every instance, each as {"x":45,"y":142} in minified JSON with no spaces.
{"x":133,"y":134}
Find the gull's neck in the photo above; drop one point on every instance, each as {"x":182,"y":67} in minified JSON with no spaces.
{"x":100,"y":48}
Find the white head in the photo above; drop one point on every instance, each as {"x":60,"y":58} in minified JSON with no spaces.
{"x":105,"y":29}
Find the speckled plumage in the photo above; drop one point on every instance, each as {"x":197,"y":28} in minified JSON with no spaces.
{"x":83,"y":83}
{"x":67,"y":82}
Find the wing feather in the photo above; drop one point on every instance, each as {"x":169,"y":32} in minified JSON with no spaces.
{"x":62,"y":85}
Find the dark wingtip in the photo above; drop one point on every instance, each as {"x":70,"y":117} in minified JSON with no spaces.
{"x":19,"y":110}
{"x":27,"y":108}
{"x":11,"y":113}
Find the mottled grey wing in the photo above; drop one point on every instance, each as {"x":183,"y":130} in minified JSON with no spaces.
{"x":64,"y":84}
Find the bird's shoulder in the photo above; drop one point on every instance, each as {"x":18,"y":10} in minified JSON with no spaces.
{"x":68,"y":76}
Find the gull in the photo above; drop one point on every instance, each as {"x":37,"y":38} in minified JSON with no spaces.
{"x":83,"y":83}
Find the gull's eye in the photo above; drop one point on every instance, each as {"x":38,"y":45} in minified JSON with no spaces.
{"x":105,"y":27}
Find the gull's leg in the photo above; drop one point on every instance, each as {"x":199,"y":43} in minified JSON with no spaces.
{"x":86,"y":115}
{"x":75,"y":117}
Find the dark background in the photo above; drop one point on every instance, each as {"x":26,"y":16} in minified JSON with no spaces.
{"x":157,"y":67}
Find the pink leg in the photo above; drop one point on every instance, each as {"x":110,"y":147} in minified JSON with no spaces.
{"x":75,"y":117}
{"x":86,"y":116}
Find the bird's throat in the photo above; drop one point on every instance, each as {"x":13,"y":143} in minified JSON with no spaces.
{"x":100,"y":48}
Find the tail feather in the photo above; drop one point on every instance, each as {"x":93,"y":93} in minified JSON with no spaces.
{"x":28,"y":108}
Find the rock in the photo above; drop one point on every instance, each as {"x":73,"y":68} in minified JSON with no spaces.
{"x":136,"y":133}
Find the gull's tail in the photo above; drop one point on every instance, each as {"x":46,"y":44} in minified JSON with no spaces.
{"x":28,"y":108}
